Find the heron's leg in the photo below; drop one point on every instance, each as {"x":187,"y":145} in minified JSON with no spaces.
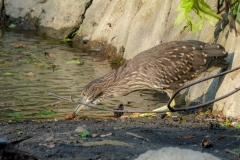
{"x":163,"y":108}
{"x":173,"y":103}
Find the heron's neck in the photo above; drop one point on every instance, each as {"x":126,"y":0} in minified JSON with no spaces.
{"x":122,"y":81}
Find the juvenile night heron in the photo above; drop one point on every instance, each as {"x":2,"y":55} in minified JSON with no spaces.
{"x":165,"y":67}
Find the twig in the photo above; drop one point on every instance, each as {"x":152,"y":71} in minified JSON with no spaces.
{"x":224,"y":8}
{"x":213,"y":119}
{"x":105,"y":109}
{"x":38,"y":59}
{"x":237,"y":154}
{"x":71,"y":98}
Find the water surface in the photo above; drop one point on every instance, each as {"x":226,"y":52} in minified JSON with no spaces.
{"x":23,"y":96}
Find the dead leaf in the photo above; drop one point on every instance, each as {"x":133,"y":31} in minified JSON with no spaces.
{"x":80,"y":129}
{"x":235,"y":124}
{"x":55,"y":119}
{"x":186,"y":137}
{"x":70,"y":116}
{"x":96,"y":134}
{"x":206,"y":143}
{"x":106,"y":135}
{"x":136,"y":114}
{"x":29,"y":74}
{"x":49,"y":144}
{"x":137,"y":136}
{"x":219,"y":137}
{"x":18,"y":45}
{"x":50,"y":55}
{"x":107,"y":142}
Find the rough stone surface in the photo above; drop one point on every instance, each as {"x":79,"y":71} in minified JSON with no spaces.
{"x":175,"y":153}
{"x":54,"y":18}
{"x":230,"y":107}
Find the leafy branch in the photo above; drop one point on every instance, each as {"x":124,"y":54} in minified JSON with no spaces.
{"x":204,"y":12}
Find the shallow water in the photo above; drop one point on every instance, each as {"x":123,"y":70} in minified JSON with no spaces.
{"x":23,"y":96}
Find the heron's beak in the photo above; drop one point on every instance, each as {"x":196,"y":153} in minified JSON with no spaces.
{"x":80,"y":105}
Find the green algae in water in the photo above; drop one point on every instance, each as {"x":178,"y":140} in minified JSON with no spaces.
{"x":13,"y":115}
{"x":73,"y":62}
{"x":47,"y":112}
{"x":12,"y":25}
{"x":7,"y":73}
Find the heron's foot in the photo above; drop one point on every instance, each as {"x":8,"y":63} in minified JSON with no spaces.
{"x":163,"y":108}
{"x":147,"y":114}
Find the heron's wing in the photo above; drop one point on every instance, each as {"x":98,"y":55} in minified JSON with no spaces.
{"x":170,"y":65}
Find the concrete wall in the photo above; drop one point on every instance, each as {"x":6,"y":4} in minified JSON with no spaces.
{"x":133,"y":26}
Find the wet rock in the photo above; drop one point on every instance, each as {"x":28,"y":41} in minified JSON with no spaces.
{"x":9,"y":152}
{"x":53,"y":18}
{"x":86,"y":40}
{"x":175,"y":153}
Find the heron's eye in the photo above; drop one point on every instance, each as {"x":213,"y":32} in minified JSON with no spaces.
{"x":84,"y":94}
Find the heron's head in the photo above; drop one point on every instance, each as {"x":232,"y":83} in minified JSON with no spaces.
{"x":91,"y":93}
{"x":114,"y":83}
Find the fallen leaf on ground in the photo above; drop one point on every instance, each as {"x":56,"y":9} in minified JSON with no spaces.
{"x":84,"y":134}
{"x":96,"y":134}
{"x":106,"y":135}
{"x":186,"y":137}
{"x":182,"y":121}
{"x":220,"y":137}
{"x":50,"y":55}
{"x":18,"y":132}
{"x":137,"y":136}
{"x":134,"y":115}
{"x":70,"y":116}
{"x":29,"y":74}
{"x":18,"y":45}
{"x":107,"y":142}
{"x":235,"y":124}
{"x":80,"y":129}
{"x":206,"y":143}
{"x":49,"y":144}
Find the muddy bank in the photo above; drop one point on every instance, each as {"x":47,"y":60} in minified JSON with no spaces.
{"x":57,"y":140}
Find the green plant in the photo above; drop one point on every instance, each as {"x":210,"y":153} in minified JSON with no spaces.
{"x":201,"y":9}
{"x":227,"y":123}
{"x":78,"y":31}
{"x":204,"y":12}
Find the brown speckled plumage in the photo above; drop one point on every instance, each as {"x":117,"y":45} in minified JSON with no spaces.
{"x":165,"y":67}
